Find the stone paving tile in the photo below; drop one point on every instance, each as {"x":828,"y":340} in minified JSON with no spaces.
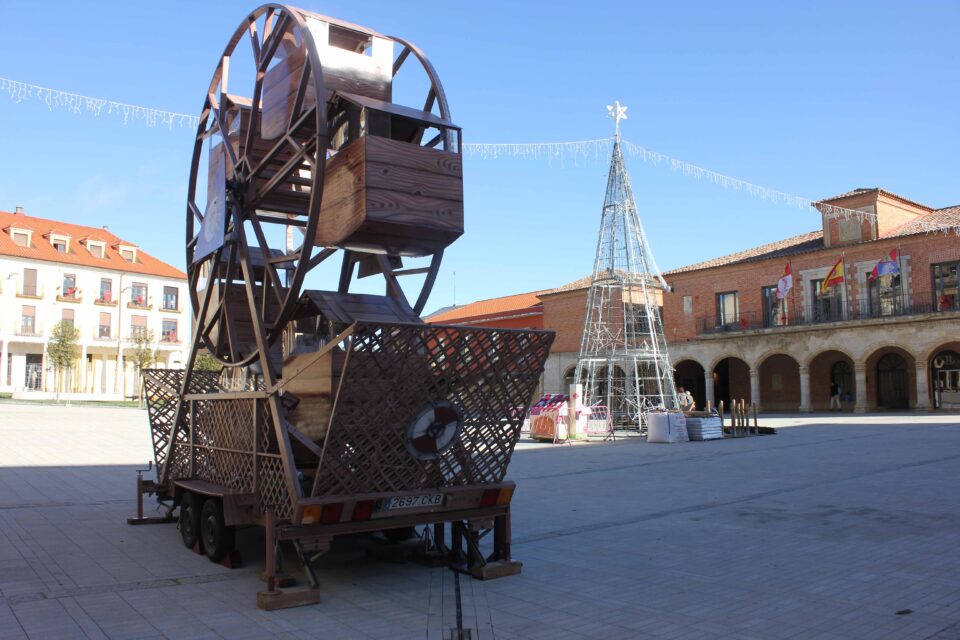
{"x":821,"y":531}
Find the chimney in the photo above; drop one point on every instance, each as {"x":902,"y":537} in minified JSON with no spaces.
{"x":19,"y":211}
{"x":106,"y":228}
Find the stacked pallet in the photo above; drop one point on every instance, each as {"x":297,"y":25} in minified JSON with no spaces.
{"x":704,"y":428}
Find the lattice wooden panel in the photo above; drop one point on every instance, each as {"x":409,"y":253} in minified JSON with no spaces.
{"x":395,"y":371}
{"x":272,"y":493}
{"x":162,"y":389}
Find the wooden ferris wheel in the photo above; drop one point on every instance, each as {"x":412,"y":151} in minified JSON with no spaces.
{"x":304,"y":154}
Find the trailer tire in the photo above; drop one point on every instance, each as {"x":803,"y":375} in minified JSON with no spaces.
{"x":218,"y":538}
{"x":189,"y":521}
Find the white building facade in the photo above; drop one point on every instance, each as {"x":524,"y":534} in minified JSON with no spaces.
{"x":106,"y":287}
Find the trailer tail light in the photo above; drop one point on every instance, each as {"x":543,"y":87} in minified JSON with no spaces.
{"x":331,"y":513}
{"x":311,"y":514}
{"x":363,"y":510}
{"x":497,"y":497}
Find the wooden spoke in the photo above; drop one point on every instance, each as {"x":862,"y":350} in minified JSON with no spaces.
{"x":195,"y":211}
{"x":428,"y":283}
{"x":278,"y":218}
{"x":301,"y":94}
{"x":434,"y":140}
{"x":278,"y":148}
{"x":271,"y":43}
{"x":278,"y":178}
{"x":320,"y":257}
{"x":394,"y":290}
{"x":400,"y":60}
{"x":231,"y":154}
{"x":269,"y":267}
{"x":254,"y":39}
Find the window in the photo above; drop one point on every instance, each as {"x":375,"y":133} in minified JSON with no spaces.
{"x":59,"y":245}
{"x":727,"y":312}
{"x":20,"y":238}
{"x":129,"y":254}
{"x":774,"y":309}
{"x":69,"y":287}
{"x":104,"y":331}
{"x":106,"y":290}
{"x":68,"y":316}
{"x":168,"y":331}
{"x":171,"y":299}
{"x":29,"y":282}
{"x":826,"y":307}
{"x":28,"y":325}
{"x":138,"y":294}
{"x":96,"y":249}
{"x":138,"y":326}
{"x":687,"y":305}
{"x":885,"y":295}
{"x":946,"y":294}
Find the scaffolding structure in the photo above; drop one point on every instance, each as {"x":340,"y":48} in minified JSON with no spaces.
{"x":623,"y":362}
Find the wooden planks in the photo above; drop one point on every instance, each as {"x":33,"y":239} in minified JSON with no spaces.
{"x":314,"y":387}
{"x":381,"y":193}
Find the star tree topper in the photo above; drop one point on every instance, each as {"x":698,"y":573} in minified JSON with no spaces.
{"x":617,"y":112}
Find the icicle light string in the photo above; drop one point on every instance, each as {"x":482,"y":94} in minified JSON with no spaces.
{"x":576,"y":151}
{"x":76,"y":103}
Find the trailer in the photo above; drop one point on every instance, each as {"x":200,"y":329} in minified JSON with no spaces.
{"x":335,"y":411}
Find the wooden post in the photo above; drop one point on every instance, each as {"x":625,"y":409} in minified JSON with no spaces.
{"x":271,"y":560}
{"x":756,"y":424}
{"x":720,"y":412}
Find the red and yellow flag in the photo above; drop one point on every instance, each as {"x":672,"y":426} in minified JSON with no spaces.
{"x":834,"y":277}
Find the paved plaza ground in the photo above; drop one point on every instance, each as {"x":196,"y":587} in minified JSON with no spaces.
{"x":836,"y":527}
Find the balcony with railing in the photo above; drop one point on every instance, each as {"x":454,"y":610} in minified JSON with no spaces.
{"x":855,"y":310}
{"x":27,"y":327}
{"x":34,"y":292}
{"x":69,"y":294}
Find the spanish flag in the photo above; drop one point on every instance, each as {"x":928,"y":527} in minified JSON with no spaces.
{"x":834,"y":277}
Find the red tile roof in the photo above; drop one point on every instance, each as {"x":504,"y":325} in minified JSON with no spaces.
{"x":494,"y":307}
{"x":862,"y":190}
{"x":790,"y":246}
{"x":946,"y":219}
{"x":79,"y":254}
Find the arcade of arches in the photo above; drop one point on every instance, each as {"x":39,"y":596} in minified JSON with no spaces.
{"x":914,"y":374}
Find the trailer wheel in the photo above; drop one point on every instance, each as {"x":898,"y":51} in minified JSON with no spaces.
{"x":399,"y":535}
{"x":218,"y":538}
{"x":189,"y":523}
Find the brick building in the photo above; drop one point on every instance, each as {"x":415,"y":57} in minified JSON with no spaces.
{"x":562,"y":310}
{"x":106,"y":287}
{"x":889,"y":340}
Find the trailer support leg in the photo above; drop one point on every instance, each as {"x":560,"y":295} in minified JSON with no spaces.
{"x":274,"y":598}
{"x":148,"y":486}
{"x":499,"y":564}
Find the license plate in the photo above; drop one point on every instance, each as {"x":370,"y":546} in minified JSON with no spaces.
{"x":411,"y":502}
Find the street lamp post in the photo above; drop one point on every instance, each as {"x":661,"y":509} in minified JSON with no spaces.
{"x":120,"y":378}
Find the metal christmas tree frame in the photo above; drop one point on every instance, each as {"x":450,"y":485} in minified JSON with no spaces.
{"x":623,"y":362}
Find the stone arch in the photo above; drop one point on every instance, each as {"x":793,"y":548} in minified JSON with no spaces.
{"x":569,"y":377}
{"x":824,"y":370}
{"x":891,"y":384}
{"x":689,"y":373}
{"x":778,"y":376}
{"x":731,"y":380}
{"x":943,"y":370}
{"x":827,"y":349}
{"x":724,"y":356}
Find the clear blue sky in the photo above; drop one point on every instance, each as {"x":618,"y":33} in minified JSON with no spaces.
{"x":810,"y":98}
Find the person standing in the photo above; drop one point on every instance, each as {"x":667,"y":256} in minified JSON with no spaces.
{"x":685,"y":399}
{"x":835,"y":396}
